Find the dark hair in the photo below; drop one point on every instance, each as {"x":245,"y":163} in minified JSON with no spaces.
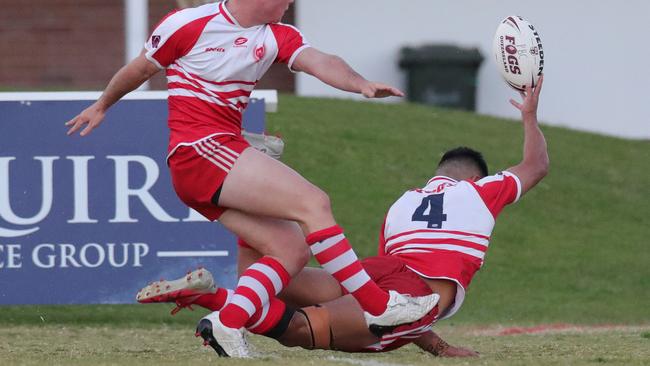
{"x":465,"y":155}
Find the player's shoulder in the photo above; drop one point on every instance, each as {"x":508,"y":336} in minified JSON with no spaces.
{"x":500,"y":177}
{"x":284,"y":26}
{"x":503,"y":188}
{"x":283,"y":30}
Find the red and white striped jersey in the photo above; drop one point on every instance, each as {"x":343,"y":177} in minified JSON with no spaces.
{"x":443,"y":230}
{"x":212,"y":66}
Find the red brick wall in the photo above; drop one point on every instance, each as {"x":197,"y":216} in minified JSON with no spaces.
{"x":78,"y":44}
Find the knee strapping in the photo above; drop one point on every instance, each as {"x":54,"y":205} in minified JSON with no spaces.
{"x":318,"y":321}
{"x":281,"y":327}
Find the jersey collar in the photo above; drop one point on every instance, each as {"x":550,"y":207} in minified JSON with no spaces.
{"x":226,"y":14}
{"x":439,"y":179}
{"x":223,"y":9}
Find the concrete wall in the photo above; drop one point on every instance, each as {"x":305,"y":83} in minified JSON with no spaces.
{"x":597,"y":53}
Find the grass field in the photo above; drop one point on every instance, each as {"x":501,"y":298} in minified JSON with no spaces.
{"x":574,"y":250}
{"x":165,"y":345}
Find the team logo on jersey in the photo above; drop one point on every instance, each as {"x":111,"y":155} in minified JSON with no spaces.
{"x":215,"y":49}
{"x":241,"y":42}
{"x":259,"y":53}
{"x":155,"y":41}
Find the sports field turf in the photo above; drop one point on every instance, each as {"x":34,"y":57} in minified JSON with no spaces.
{"x":574,"y":250}
{"x":105,"y":345}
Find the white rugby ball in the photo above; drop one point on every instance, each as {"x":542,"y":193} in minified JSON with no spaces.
{"x":518,"y":52}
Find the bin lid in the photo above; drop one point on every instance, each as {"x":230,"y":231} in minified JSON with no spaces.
{"x":439,"y":54}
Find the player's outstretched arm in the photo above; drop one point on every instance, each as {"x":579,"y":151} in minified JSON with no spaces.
{"x":432,"y":343}
{"x":334,"y":71}
{"x":535,"y":162}
{"x":127,"y":79}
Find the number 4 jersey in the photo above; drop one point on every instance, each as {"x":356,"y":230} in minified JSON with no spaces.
{"x":442,"y":231}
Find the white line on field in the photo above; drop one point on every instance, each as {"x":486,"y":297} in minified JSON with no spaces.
{"x":195,"y":253}
{"x":355,"y":361}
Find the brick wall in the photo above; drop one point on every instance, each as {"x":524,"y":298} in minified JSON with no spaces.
{"x":79,"y":44}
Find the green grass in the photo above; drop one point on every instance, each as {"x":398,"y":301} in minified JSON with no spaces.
{"x":574,"y":250}
{"x":173,"y":345}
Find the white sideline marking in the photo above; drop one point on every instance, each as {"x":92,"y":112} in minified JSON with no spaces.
{"x":270,"y":96}
{"x":196,"y":253}
{"x":355,"y":361}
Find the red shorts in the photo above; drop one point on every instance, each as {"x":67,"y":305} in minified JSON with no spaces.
{"x":199,"y":170}
{"x":390,"y":273}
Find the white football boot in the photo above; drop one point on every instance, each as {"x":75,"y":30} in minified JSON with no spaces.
{"x":402,"y":309}
{"x":227,"y":342}
{"x":182,"y":291}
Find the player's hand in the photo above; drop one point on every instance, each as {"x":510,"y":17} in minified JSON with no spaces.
{"x":530,"y":99}
{"x":90,"y":119}
{"x":453,"y":351}
{"x":379,"y":90}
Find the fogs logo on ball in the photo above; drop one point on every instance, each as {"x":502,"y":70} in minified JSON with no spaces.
{"x":518,"y":52}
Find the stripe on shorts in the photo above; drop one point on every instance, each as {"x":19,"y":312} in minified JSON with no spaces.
{"x":219,"y":150}
{"x":219,"y":155}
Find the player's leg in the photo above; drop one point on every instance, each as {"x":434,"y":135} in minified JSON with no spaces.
{"x":261,"y":185}
{"x":339,"y":324}
{"x":285,"y":254}
{"x":310,"y":286}
{"x":261,"y":281}
{"x":197,"y":173}
{"x":274,"y":317}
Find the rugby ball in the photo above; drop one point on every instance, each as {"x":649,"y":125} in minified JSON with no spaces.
{"x":518,"y":52}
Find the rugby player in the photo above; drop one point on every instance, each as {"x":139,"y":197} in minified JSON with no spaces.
{"x":433,"y":240}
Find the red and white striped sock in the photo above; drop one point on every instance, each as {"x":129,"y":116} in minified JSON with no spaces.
{"x":257,"y":285}
{"x":215,"y":301}
{"x":261,"y":322}
{"x":334,"y":253}
{"x":267,"y":317}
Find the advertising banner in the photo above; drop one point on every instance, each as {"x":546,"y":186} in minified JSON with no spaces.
{"x":92,"y":220}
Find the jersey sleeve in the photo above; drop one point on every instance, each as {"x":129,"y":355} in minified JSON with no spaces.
{"x":290,"y":43}
{"x":174,"y":37}
{"x":498,"y":190}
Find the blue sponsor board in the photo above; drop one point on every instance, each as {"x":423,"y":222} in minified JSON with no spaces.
{"x":92,"y":220}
